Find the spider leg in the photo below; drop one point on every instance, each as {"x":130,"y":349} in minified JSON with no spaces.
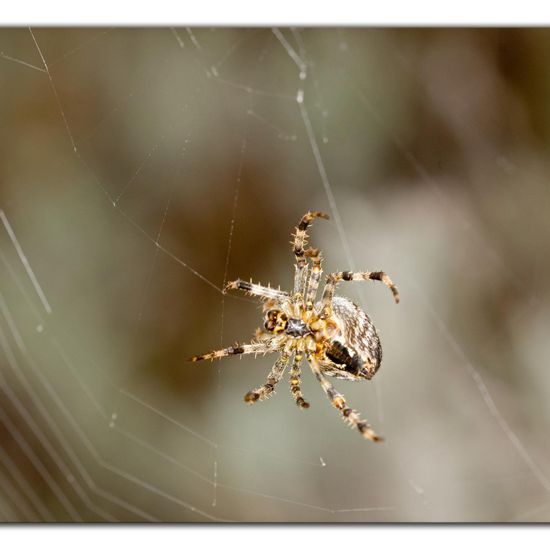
{"x":295,"y":372}
{"x":256,"y":290}
{"x":300,"y":239}
{"x":337,"y":399}
{"x":276,"y":373}
{"x":300,"y":282}
{"x":316,"y":271}
{"x":267,"y":346}
{"x":334,"y":278}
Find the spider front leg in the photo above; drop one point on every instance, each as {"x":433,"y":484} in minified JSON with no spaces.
{"x":256,"y":290}
{"x":265,"y":391}
{"x":334,"y":278}
{"x":295,"y":373}
{"x":266,"y":346}
{"x":316,"y":271}
{"x":300,"y":239}
{"x":337,"y":399}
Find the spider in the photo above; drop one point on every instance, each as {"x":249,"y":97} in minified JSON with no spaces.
{"x":336,"y":337}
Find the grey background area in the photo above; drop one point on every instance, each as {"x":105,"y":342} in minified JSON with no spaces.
{"x":142,"y":168}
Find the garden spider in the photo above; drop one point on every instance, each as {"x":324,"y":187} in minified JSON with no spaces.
{"x":336,"y":337}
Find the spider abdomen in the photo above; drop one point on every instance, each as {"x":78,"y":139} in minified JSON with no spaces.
{"x":356,"y":351}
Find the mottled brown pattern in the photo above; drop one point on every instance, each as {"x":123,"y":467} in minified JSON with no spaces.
{"x":360,"y":334}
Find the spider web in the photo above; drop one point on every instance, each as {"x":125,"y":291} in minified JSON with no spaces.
{"x":143,"y":169}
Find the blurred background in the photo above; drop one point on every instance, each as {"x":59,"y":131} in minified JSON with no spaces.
{"x":140,"y":169}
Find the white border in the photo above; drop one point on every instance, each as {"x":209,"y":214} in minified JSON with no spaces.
{"x":273,"y":537}
{"x":279,"y":12}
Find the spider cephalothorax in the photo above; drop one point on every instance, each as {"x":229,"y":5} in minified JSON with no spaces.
{"x":336,"y":336}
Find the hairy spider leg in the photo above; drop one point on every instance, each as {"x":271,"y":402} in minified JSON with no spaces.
{"x":316,"y":271}
{"x":300,"y":283}
{"x":334,"y":278}
{"x":257,"y":290}
{"x":300,"y":239}
{"x":338,"y":401}
{"x":275,"y":375}
{"x":266,"y":346}
{"x":295,"y":373}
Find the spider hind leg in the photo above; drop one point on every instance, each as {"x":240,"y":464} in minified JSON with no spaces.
{"x":338,"y":401}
